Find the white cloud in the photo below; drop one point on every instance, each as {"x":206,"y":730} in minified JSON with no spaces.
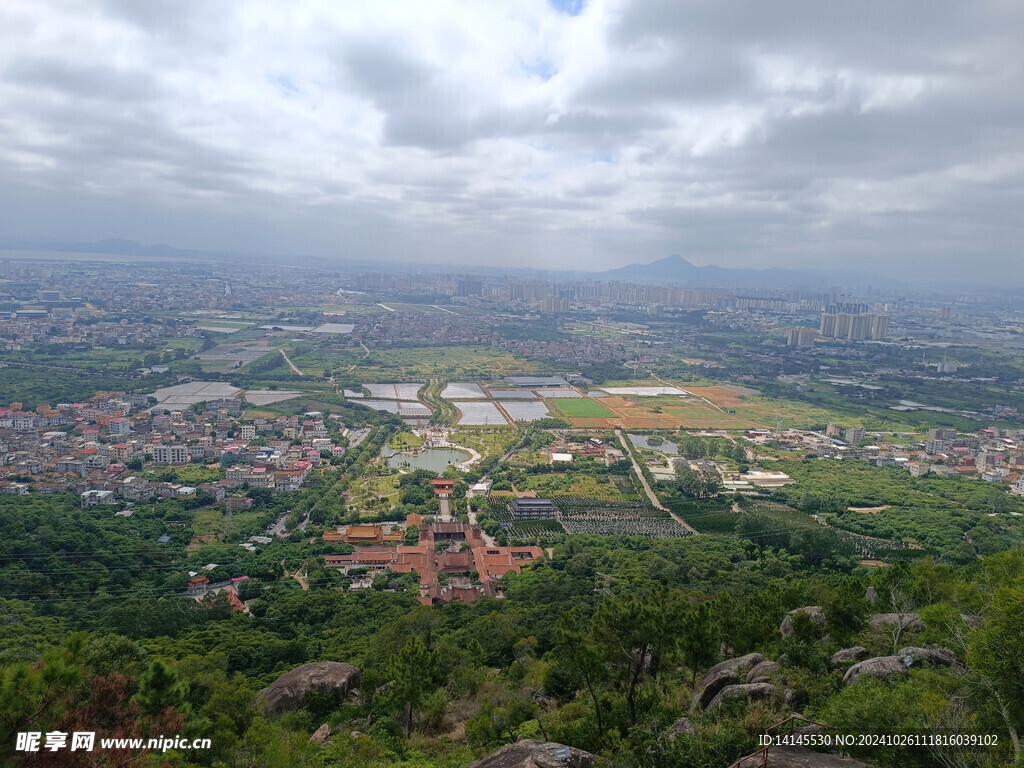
{"x":510,"y":131}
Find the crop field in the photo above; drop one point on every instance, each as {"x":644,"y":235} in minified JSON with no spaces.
{"x":581,"y":515}
{"x":183,"y":395}
{"x":644,"y":391}
{"x":582,"y":408}
{"x":513,"y":394}
{"x":525,"y":411}
{"x":463,"y":391}
{"x":393,"y":391}
{"x":480,"y":413}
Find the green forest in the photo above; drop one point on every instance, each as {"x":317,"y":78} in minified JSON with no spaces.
{"x":601,"y":646}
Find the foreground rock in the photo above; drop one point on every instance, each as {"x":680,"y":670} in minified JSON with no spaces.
{"x":882,"y":667}
{"x":286,"y":692}
{"x":747,"y":693}
{"x":798,"y":757}
{"x":320,"y":734}
{"x":739,"y":664}
{"x":722,"y":679}
{"x":763,"y":672}
{"x":814,"y":611}
{"x":845,"y":656}
{"x":936,"y":657}
{"x":880,"y":621}
{"x":530,"y":753}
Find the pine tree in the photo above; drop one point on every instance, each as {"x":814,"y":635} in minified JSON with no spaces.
{"x":413,"y":670}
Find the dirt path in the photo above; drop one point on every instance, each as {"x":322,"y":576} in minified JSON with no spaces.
{"x":647,"y":488}
{"x":297,"y":576}
{"x":291,"y":365}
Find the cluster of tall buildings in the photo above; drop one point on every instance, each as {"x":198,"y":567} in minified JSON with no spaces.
{"x":854,"y":327}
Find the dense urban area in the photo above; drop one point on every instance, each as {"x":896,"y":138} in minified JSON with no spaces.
{"x":341,"y":517}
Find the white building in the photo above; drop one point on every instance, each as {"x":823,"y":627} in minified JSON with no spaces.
{"x":170,"y":454}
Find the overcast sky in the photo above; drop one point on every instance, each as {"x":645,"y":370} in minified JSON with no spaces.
{"x":884,"y":134}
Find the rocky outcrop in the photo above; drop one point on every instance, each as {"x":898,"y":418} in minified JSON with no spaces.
{"x":845,"y":656}
{"x":530,"y":753}
{"x":936,"y":657}
{"x":871,"y":596}
{"x":739,"y":664}
{"x":882,"y":667}
{"x":723,"y":678}
{"x":286,"y":692}
{"x":763,"y":672}
{"x":881,"y":621}
{"x":320,"y":734}
{"x":747,"y":692}
{"x":816,"y":613}
{"x":798,"y":757}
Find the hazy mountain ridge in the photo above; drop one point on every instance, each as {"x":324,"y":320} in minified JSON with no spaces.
{"x":671,"y":269}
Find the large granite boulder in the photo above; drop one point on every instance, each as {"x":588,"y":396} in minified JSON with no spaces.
{"x":880,"y":621}
{"x":320,"y":734}
{"x":936,"y":657}
{"x":882,"y":667}
{"x":747,"y":692}
{"x":798,"y":757}
{"x":739,"y":664}
{"x":845,"y":656}
{"x":704,"y":696}
{"x":816,"y":613}
{"x":287,"y":691}
{"x":530,"y":753}
{"x":763,"y":672}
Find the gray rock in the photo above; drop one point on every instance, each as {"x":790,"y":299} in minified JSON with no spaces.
{"x":747,"y":692}
{"x":871,"y":595}
{"x":682,"y":727}
{"x":882,"y":667}
{"x":739,"y":664}
{"x":798,"y":757}
{"x":723,"y":678}
{"x":320,"y":734}
{"x":530,"y":753}
{"x":783,"y":660}
{"x":937,"y":657}
{"x":287,"y":691}
{"x":812,"y":729}
{"x":845,"y":656}
{"x":814,"y":611}
{"x":880,"y":621}
{"x":763,"y":672}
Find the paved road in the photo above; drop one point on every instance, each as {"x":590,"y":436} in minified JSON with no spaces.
{"x":647,"y":488}
{"x":357,"y":436}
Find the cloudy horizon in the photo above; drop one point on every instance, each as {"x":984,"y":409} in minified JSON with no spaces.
{"x":884,"y":137}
